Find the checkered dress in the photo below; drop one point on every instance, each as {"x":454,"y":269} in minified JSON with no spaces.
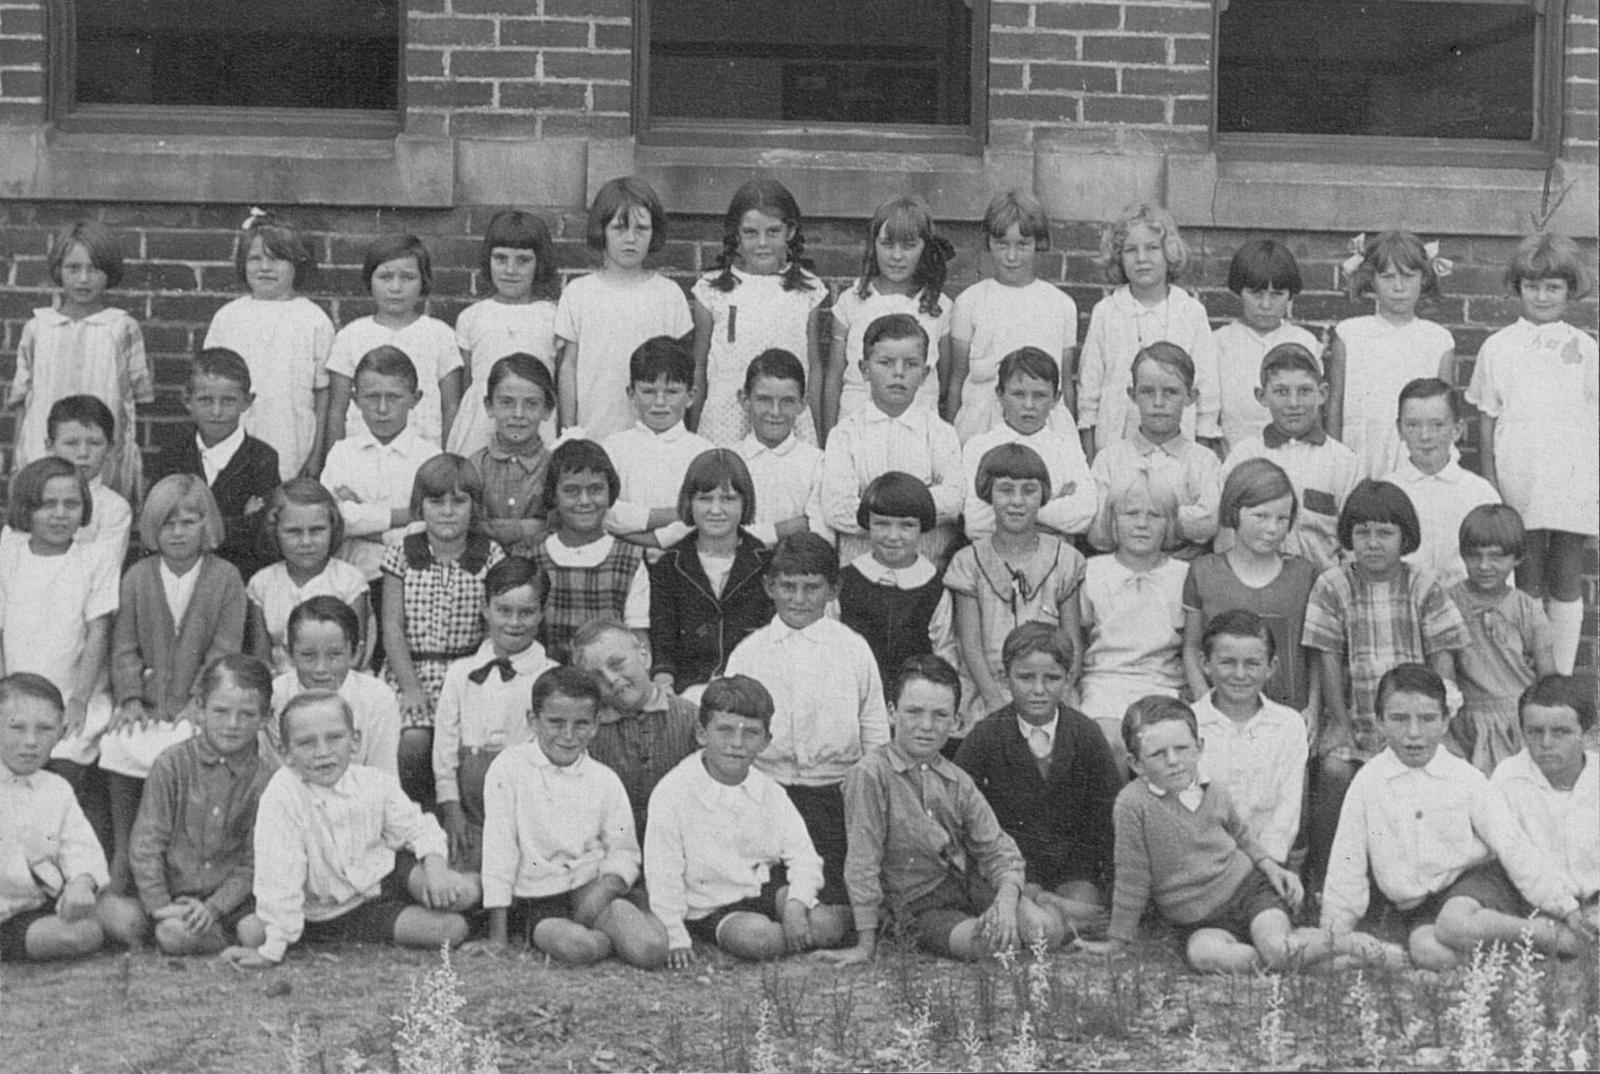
{"x":574,"y":595}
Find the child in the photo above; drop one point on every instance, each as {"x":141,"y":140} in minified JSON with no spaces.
{"x":924,"y":839}
{"x":51,"y":865}
{"x":284,"y":338}
{"x":323,"y":638}
{"x":483,"y":704}
{"x":903,"y":273}
{"x":1028,"y":385}
{"x":1372,"y":357}
{"x":785,"y":470}
{"x":518,"y":260}
{"x":727,"y":857}
{"x":304,"y":525}
{"x":399,"y":273}
{"x":1259,"y":507}
{"x":1508,"y":637}
{"x":587,"y":571}
{"x":82,"y":346}
{"x":1537,"y":385}
{"x":1163,"y":385}
{"x":762,"y":295}
{"x":706,"y":594}
{"x":1254,"y":746}
{"x":1266,"y":277}
{"x":1050,"y":777}
{"x":240,"y":470}
{"x":1321,"y":470}
{"x":559,"y":849}
{"x":830,"y":701}
{"x":81,"y":430}
{"x":893,"y":431}
{"x":192,"y":855}
{"x":1010,"y":311}
{"x":520,"y":397}
{"x":1423,"y":828}
{"x":178,"y":611}
{"x":1016,"y":575}
{"x":603,"y":317}
{"x":327,"y":832}
{"x":1143,"y":255}
{"x":433,"y":604}
{"x":1182,"y":843}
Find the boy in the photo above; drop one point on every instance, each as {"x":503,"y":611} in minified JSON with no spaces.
{"x":827,"y":693}
{"x":521,"y":396}
{"x":241,"y":470}
{"x":81,"y":429}
{"x":893,"y":432}
{"x":326,"y":835}
{"x":954,"y":880}
{"x":1254,"y":747}
{"x":191,"y":853}
{"x":324,"y":641}
{"x":52,"y":870}
{"x":1163,"y":386}
{"x":483,"y":702}
{"x":1322,"y":470}
{"x":1441,"y":491}
{"x":1029,"y":386}
{"x":562,"y":872}
{"x":727,"y":859}
{"x":786,"y":471}
{"x":1266,"y":277}
{"x":1425,"y":827}
{"x":1182,"y":843}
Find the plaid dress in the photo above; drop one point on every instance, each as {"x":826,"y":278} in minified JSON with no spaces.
{"x":574,"y":595}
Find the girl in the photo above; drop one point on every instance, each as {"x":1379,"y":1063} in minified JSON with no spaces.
{"x":305,"y":528}
{"x":83,"y":346}
{"x":284,"y":338}
{"x":433,"y":604}
{"x":1009,"y":311}
{"x":179,"y":611}
{"x":706,"y":594}
{"x":1537,"y":383}
{"x":399,"y":273}
{"x":604,"y":316}
{"x":1016,"y":575}
{"x":1143,"y":255}
{"x":519,"y":260}
{"x":1259,"y":504}
{"x":761,"y":295}
{"x":587,"y":571}
{"x":903,"y":271}
{"x":1266,"y":277}
{"x":521,"y":396}
{"x":1373,"y":357}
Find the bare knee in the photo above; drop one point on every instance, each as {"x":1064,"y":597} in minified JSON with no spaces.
{"x":121,"y":920}
{"x":751,"y":936}
{"x":251,"y":932}
{"x":1428,"y":952}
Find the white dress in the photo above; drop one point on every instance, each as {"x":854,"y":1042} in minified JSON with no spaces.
{"x":996,"y":320}
{"x":486,"y":332}
{"x":427,"y":341}
{"x":1379,"y":360}
{"x":854,"y":314}
{"x":1134,"y":622}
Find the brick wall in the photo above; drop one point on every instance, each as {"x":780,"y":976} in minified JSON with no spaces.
{"x":22,"y":61}
{"x":1583,"y":81}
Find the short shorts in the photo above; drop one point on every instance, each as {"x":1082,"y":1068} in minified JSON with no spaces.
{"x":1486,"y":883}
{"x":1253,"y":897}
{"x":524,"y":915}
{"x":374,"y":920}
{"x":14,"y":933}
{"x":931,"y":919}
{"x":764,"y":902}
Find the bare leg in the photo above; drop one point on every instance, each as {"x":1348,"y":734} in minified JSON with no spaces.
{"x":1427,"y":952}
{"x":251,"y":932}
{"x":173,"y":939}
{"x":418,"y":926}
{"x":121,"y":919}
{"x":52,"y":938}
{"x":636,"y":937}
{"x":753,"y":936}
{"x":1035,"y":922}
{"x":469,"y":890}
{"x":567,"y":941}
{"x":966,"y":943}
{"x":830,"y":924}
{"x":1465,"y":922}
{"x":1077,"y":905}
{"x":1219,"y":951}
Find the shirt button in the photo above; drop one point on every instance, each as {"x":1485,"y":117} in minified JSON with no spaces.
{"x":1419,"y":814}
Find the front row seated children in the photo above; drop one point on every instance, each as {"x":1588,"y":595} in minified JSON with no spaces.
{"x":652,"y":455}
{"x":326,"y":837}
{"x":324,"y":636}
{"x":53,"y":902}
{"x":193,"y":854}
{"x":728,"y":860}
{"x":1419,"y":835}
{"x":559,"y":849}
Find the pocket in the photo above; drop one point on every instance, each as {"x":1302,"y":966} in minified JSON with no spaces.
{"x":1320,"y":502}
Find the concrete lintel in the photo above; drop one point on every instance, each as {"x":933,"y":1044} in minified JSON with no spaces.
{"x":545,"y":172}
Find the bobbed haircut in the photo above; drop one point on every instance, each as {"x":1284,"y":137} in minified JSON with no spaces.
{"x":926,"y":667}
{"x":1289,"y":358}
{"x":90,"y":411}
{"x":1428,"y":388}
{"x":1027,"y":639}
{"x":310,"y":699}
{"x":661,"y":356}
{"x":804,"y":553}
{"x":395,"y":247}
{"x":622,"y":196}
{"x":1559,"y":691}
{"x":279,"y":239}
{"x":516,"y":230}
{"x":567,"y":682}
{"x":1019,"y":462}
{"x":907,"y":219}
{"x":892,"y":326}
{"x":1123,"y":490}
{"x":1411,"y":679}
{"x":387,"y":360}
{"x":30,"y":684}
{"x":776,"y":364}
{"x":222,"y":363}
{"x":443,"y":474}
{"x":99,"y":241}
{"x":769,"y":197}
{"x":301,"y":492}
{"x":1399,"y":248}
{"x":523,"y":366}
{"x":737,"y":695}
{"x":178,"y":492}
{"x":510,"y":573}
{"x":1238,"y":623}
{"x":1493,"y":525}
{"x":1264,"y":263}
{"x":326,"y":609}
{"x":1252,"y":483}
{"x":1115,"y":236}
{"x":1169,"y":356}
{"x":1546,"y":256}
{"x":712,"y":470}
{"x":237,"y":669}
{"x":1019,"y":209}
{"x":1029,"y":362}
{"x":27,"y":491}
{"x":1151,"y":710}
{"x":1382,"y":503}
{"x":576,"y":457}
{"x":897,"y":495}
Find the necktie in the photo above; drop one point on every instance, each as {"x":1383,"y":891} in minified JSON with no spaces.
{"x":1039,"y":742}
{"x":481,"y":675}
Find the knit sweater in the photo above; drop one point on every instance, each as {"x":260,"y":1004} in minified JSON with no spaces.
{"x":158,"y":662}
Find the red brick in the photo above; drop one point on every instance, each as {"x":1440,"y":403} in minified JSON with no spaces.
{"x":23,"y":21}
{"x":22,"y":83}
{"x":1032,"y":46}
{"x":1039,"y":109}
{"x":419,"y":125}
{"x":1168,"y":19}
{"x":1075,"y":77}
{"x":589,"y":8}
{"x":1002,"y":13}
{"x":189,"y":245}
{"x":1192,"y":51}
{"x":558,"y":125}
{"x":22,"y":111}
{"x":543,"y":95}
{"x":1077,"y":16}
{"x":544,"y":33}
{"x":1191,"y":112}
{"x":1580,"y":35}
{"x":425,"y":7}
{"x":450,"y":32}
{"x":613,"y":35}
{"x":168,"y":339}
{"x":1582,"y":97}
{"x":475,"y":63}
{"x":424,"y":63}
{"x":448,"y":94}
{"x":593,"y":66}
{"x":493,"y":125}
{"x":490,"y":7}
{"x":1005,"y":76}
{"x":1120,"y":48}
{"x":1164,"y":81}
{"x":21,"y":52}
{"x":608,"y":97}
{"x":1098,"y":109}
{"x":192,"y":309}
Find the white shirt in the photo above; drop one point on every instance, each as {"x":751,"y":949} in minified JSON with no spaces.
{"x":869,"y":444}
{"x":1040,"y":737}
{"x":1180,"y":467}
{"x":855,"y":315}
{"x":549,"y":829}
{"x":1072,"y":498}
{"x":380,"y":476}
{"x":1563,"y":827}
{"x":1240,"y":350}
{"x":1322,"y":476}
{"x":374,"y":705}
{"x":179,"y":590}
{"x":941,"y":626}
{"x":491,"y":715}
{"x":1442,"y":500}
{"x":709,"y":845}
{"x":651,"y":466}
{"x":788,"y":484}
{"x":215,"y":459}
{"x":427,"y":341}
{"x":1262,"y":763}
{"x":636,"y":609}
{"x":44,"y":834}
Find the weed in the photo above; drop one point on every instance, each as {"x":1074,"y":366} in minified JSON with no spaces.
{"x":764,"y":1057}
{"x":1471,"y":1016}
{"x":1369,"y":1022}
{"x":1272,"y":1038}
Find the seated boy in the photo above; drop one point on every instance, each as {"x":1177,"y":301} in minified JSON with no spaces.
{"x":924,"y":840}
{"x":557,"y":875}
{"x":1181,"y":843}
{"x":727,"y":859}
{"x":324,"y":638}
{"x":326,"y":835}
{"x":786,"y":471}
{"x":1425,"y":828}
{"x":52,"y":870}
{"x":192,"y":853}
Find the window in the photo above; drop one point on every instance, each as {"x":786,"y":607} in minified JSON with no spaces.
{"x":821,"y":72}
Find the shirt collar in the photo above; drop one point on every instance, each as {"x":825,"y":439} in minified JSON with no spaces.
{"x":1274,"y":437}
{"x":536,"y":757}
{"x":1392,"y":767}
{"x":222,"y":452}
{"x":207,"y":755}
{"x":1187,"y":795}
{"x":1450,"y":474}
{"x":666,"y":436}
{"x":812,"y":633}
{"x":527,"y":459}
{"x":103,"y":316}
{"x":751,"y":446}
{"x":1123,"y":296}
{"x":1144,"y":446}
{"x":711,"y":791}
{"x":939,"y":765}
{"x":419,"y":553}
{"x":1049,"y":728}
{"x":917,"y":574}
{"x":914,"y":416}
{"x":658,"y":701}
{"x":401,"y":445}
{"x":29,"y":781}
{"x":529,"y":661}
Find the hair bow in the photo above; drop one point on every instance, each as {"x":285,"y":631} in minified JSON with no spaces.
{"x":1358,"y":251}
{"x":257,"y":217}
{"x":1442,"y":266}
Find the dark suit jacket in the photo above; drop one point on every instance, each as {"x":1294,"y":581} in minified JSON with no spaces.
{"x":252,"y":472}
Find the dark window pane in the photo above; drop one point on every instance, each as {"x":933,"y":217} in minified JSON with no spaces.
{"x":1379,"y":67}
{"x":843,"y":61}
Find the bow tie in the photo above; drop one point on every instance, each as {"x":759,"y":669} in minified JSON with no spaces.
{"x":481,"y":676}
{"x":1274,"y":438}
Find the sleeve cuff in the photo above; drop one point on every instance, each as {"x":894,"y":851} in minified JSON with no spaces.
{"x":273,"y":950}
{"x":866,"y":918}
{"x":678,"y":936}
{"x":672,"y":533}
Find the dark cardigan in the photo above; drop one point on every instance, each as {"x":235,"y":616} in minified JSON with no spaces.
{"x":692,"y":630}
{"x":252,"y":472}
